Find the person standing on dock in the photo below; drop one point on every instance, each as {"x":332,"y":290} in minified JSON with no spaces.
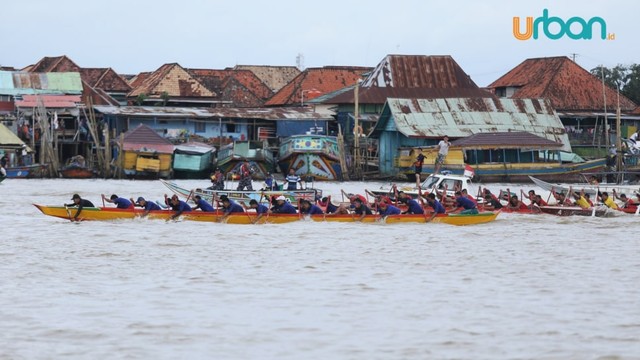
{"x":245,"y":177}
{"x":443,"y":150}
{"x":292,"y":180}
{"x":418,"y":166}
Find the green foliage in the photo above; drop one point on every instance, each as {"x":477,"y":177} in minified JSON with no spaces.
{"x":140,"y":99}
{"x":625,"y":78}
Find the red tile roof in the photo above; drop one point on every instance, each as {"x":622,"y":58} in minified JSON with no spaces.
{"x":175,"y":81}
{"x":144,"y":138}
{"x":54,"y":64}
{"x":413,"y":76}
{"x":97,"y":95}
{"x":137,"y":80}
{"x":275,"y":77}
{"x":315,"y":82}
{"x":240,"y":87}
{"x":106,"y":79}
{"x":567,"y":85}
{"x":636,"y":111}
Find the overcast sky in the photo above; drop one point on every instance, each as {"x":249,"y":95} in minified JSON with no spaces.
{"x":134,"y":36}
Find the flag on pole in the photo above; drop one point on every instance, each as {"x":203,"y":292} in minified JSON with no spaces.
{"x":468,"y":171}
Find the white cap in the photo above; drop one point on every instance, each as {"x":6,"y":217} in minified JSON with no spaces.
{"x":281,"y":198}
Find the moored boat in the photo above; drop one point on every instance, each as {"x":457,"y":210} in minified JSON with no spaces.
{"x":76,"y":169}
{"x":597,"y":211}
{"x":261,"y":196}
{"x":105,"y":214}
{"x":316,"y":156}
{"x":257,"y":153}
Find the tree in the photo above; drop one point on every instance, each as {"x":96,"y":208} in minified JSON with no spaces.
{"x":140,"y":99}
{"x":625,"y":78}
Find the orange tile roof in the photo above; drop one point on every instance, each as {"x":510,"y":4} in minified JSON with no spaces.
{"x":315,"y":82}
{"x":275,"y":77}
{"x":636,"y":111}
{"x":175,"y":81}
{"x":567,"y":85}
{"x":137,"y":80}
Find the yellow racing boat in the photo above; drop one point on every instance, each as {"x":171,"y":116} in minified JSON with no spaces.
{"x":107,"y":213}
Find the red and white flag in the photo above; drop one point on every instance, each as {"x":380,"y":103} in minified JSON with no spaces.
{"x":468,"y":171}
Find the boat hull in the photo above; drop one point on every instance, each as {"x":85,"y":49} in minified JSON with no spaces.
{"x":106,"y":214}
{"x":27,"y":171}
{"x":314,"y":156}
{"x":76,"y":172}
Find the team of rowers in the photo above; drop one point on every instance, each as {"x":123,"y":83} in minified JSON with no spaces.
{"x":357,"y":205}
{"x":431,"y":204}
{"x":571,"y":198}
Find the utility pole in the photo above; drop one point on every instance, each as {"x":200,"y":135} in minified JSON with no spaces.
{"x":606,"y":121}
{"x":356,"y":133}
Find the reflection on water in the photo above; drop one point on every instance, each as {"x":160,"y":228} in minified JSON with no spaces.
{"x":525,"y":286}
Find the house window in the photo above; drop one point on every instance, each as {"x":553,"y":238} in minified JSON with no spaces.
{"x":200,"y":127}
{"x":231,"y":128}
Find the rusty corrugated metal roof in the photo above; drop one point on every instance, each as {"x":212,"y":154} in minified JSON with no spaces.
{"x":413,"y":76}
{"x":19,"y":82}
{"x":462,"y":117}
{"x":505,"y":140}
{"x":566,"y":84}
{"x":144,"y":137}
{"x":284,"y":113}
{"x":175,"y":81}
{"x":49,"y":101}
{"x":275,"y":77}
{"x":316,"y":82}
{"x":636,"y":111}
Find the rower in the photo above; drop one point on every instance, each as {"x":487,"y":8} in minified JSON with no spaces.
{"x":386,"y":209}
{"x":608,"y":201}
{"x":229,"y":207}
{"x":307,"y":208}
{"x":147,"y":205}
{"x":465,"y":205}
{"x":515,"y":204}
{"x":580,"y":199}
{"x":121,"y":203}
{"x":491,"y":202}
{"x":412,"y":205}
{"x":202,"y":204}
{"x":282,"y":206}
{"x":176,"y":205}
{"x":80,"y":203}
{"x":361,"y":209}
{"x":436,"y":205}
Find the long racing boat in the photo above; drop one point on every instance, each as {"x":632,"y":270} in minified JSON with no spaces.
{"x":108,"y":213}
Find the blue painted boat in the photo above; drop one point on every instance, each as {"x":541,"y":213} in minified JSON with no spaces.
{"x":26,"y":171}
{"x":311,"y":155}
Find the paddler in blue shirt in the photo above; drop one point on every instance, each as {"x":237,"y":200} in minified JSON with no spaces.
{"x":283,"y":207}
{"x":229,"y":207}
{"x":260,"y":209}
{"x":147,"y":205}
{"x":467,"y":206}
{"x":436,"y":205}
{"x":412,"y":205}
{"x":307,"y":208}
{"x":121,"y":203}
{"x":386,"y":209}
{"x":177,"y":205}
{"x":202,"y":204}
